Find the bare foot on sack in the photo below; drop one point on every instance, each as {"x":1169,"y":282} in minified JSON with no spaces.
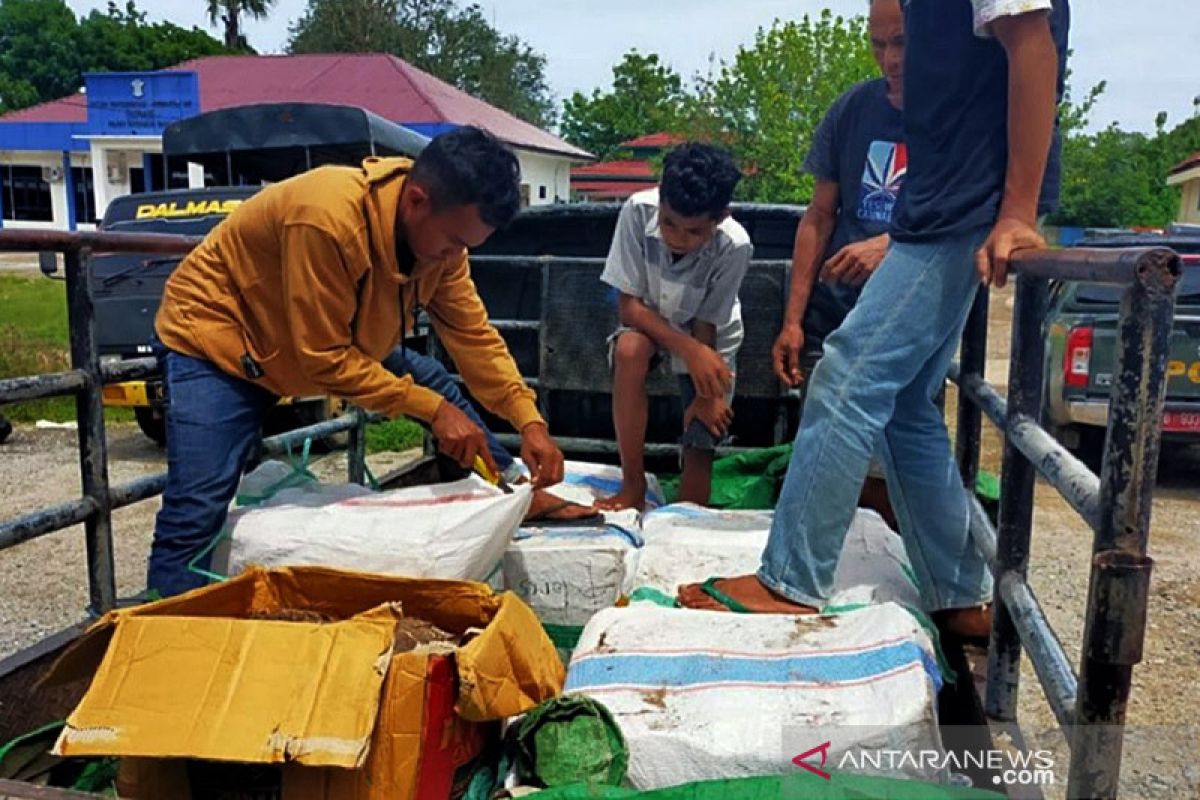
{"x":745,"y":594}
{"x":547,"y":507}
{"x":628,"y":497}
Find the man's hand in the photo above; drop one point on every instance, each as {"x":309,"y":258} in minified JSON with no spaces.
{"x":541,"y":455}
{"x":785,"y":354}
{"x":460,"y":438}
{"x":856,"y":262}
{"x":1009,"y":235}
{"x":713,"y":412}
{"x":709,"y":372}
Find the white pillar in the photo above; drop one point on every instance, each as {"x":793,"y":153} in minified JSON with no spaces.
{"x":58,"y":203}
{"x":103,"y":190}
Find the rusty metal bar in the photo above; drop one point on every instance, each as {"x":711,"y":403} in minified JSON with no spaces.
{"x":63,"y":241}
{"x":35,"y":387}
{"x":1118,"y":592}
{"x":1016,"y":493}
{"x":52,"y":384}
{"x":132,"y":369}
{"x":356,"y":450}
{"x":1078,"y":485}
{"x":93,"y":446}
{"x":45,"y":520}
{"x":973,"y":360}
{"x":1050,"y":662}
{"x":1104,"y":265}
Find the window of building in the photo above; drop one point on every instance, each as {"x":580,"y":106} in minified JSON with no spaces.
{"x":542,"y":192}
{"x":26,"y":194}
{"x":137,"y":180}
{"x":85,"y":195}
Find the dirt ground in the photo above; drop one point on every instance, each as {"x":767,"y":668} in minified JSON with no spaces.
{"x":43,"y":583}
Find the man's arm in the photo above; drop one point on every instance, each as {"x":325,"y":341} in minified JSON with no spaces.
{"x":714,"y":412}
{"x":487,"y":367}
{"x":812,"y":238}
{"x":1032,"y":85}
{"x":462,"y":325}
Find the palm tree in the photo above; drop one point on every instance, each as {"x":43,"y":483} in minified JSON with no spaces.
{"x":230,"y":11}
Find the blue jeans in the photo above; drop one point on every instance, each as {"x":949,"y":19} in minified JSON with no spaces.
{"x":432,"y":374}
{"x":874,"y":391}
{"x":213,"y":424}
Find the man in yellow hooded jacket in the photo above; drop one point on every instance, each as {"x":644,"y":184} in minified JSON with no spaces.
{"x":306,"y":289}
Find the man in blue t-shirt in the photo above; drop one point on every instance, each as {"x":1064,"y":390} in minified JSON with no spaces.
{"x":859,"y":161}
{"x":981,"y":81}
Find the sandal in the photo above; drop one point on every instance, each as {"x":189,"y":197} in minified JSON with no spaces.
{"x":709,"y":587}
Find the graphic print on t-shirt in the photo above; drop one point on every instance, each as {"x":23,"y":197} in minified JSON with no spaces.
{"x":883,"y":174}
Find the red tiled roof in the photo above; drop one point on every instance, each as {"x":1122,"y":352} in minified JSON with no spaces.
{"x":660,"y":140}
{"x":381,"y":83}
{"x":1191,"y":161}
{"x":615,"y":170}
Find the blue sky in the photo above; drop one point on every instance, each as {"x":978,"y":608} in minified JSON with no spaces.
{"x":1146,"y":50}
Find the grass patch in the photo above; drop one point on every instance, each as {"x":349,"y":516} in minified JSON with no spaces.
{"x":34,"y":340}
{"x":394,"y":436}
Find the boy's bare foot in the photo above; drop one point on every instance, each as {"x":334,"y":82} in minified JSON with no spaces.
{"x":546,"y":506}
{"x":747,"y":593}
{"x":629,"y":496}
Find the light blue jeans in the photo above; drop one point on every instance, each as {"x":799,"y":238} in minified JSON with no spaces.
{"x":874,"y":391}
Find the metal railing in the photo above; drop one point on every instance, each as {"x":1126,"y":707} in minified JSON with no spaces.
{"x":85,"y":381}
{"x":1090,"y":706}
{"x":1116,"y":504}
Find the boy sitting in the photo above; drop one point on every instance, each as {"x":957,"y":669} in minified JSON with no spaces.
{"x":677,"y":260}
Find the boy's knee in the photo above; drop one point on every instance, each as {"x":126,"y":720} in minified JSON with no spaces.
{"x":633,"y":350}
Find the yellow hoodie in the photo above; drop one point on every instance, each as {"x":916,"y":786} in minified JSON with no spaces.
{"x":304,"y":279}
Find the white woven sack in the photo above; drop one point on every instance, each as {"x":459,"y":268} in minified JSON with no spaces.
{"x":689,"y":544}
{"x":453,"y":530}
{"x":703,"y":695}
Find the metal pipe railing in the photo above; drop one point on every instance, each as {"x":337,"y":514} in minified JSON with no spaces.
{"x":1117,"y":504}
{"x":85,"y":380}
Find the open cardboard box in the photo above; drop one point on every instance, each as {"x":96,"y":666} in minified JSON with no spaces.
{"x":194,"y":677}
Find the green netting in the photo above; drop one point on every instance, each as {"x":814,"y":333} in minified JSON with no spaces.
{"x":798,"y":786}
{"x":570,"y":739}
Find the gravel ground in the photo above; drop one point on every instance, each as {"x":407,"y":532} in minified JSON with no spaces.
{"x":43,"y":583}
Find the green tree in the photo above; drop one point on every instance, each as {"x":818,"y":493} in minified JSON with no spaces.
{"x":456,"y":44}
{"x":45,"y":50}
{"x":349,"y":26}
{"x":646,"y":96}
{"x":229,"y":12}
{"x":121,"y":39}
{"x":768,"y":101}
{"x":1114,"y":178}
{"x":38,"y":52}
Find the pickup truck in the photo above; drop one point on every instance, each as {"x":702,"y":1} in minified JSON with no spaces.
{"x":1080,"y":332}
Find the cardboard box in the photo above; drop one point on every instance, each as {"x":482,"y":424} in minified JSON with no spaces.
{"x":195,"y":677}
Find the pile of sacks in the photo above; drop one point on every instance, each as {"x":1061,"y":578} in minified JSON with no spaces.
{"x":696,"y":694}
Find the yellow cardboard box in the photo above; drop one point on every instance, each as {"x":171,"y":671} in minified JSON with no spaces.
{"x":195,"y":677}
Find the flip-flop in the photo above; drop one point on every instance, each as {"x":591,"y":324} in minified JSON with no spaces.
{"x":542,"y":520}
{"x":709,"y":587}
